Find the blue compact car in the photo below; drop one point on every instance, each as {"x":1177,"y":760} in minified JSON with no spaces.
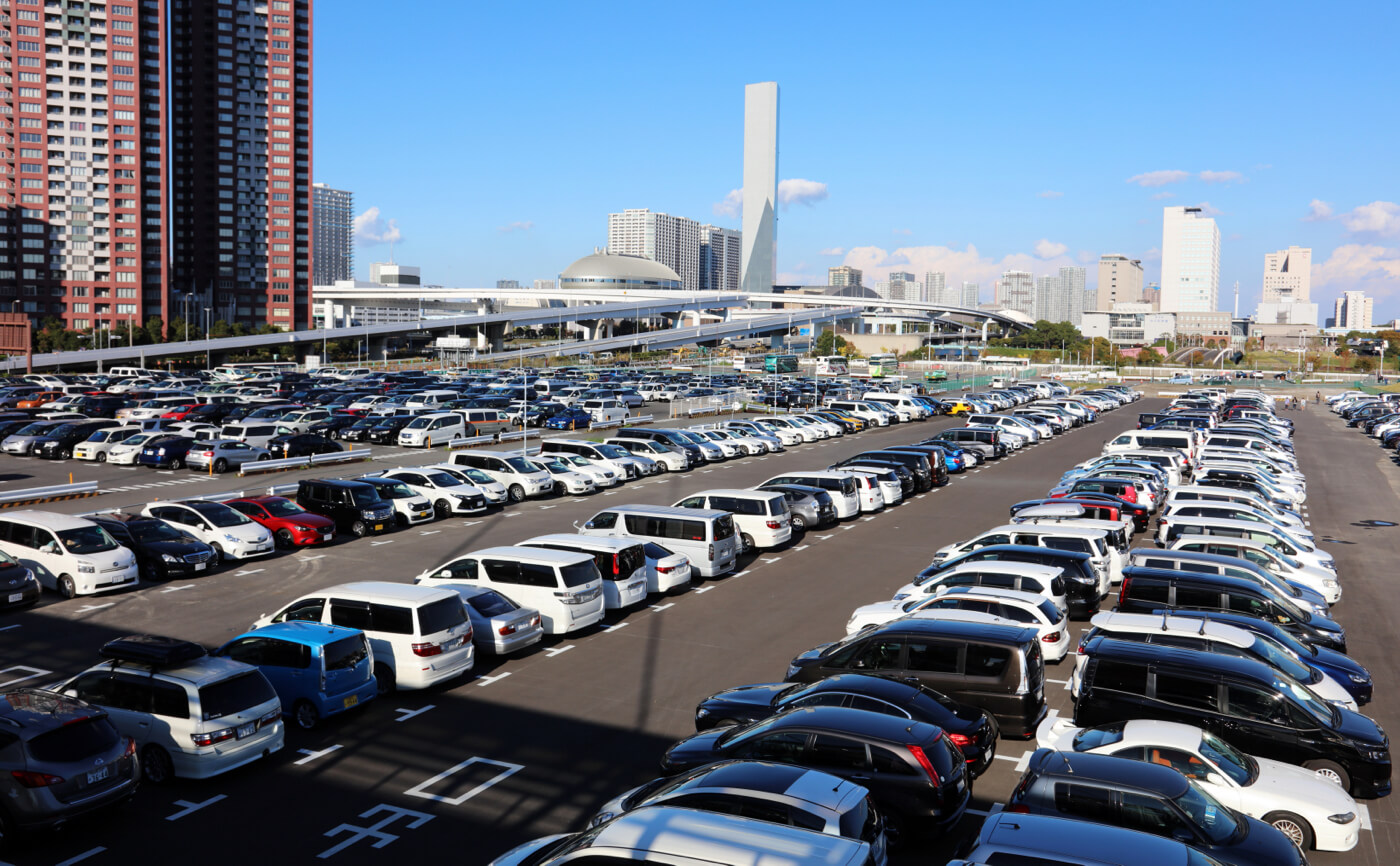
{"x":569,"y":419}
{"x":318,"y":670}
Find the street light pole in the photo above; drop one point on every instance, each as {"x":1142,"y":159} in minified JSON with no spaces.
{"x":207,"y":355}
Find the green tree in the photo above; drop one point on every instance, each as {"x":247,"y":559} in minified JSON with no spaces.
{"x":1148,"y":357}
{"x":830,"y":343}
{"x":155,"y":329}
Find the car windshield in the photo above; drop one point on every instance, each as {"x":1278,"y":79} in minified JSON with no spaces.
{"x":476,"y":476}
{"x":86,"y":540}
{"x":1095,"y":738}
{"x":366,"y":498}
{"x":612,"y":451}
{"x":442,"y":479}
{"x":1316,"y":707}
{"x":1238,"y":766}
{"x":155,"y":530}
{"x":491,"y":603}
{"x":394,"y":490}
{"x":279,"y":507}
{"x":576,"y":460}
{"x":1282,"y":659}
{"x":1216,"y":821}
{"x":520,"y":464}
{"x":34,"y":429}
{"x":222,"y":515}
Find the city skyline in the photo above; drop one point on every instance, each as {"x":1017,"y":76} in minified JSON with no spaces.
{"x":950,"y":196}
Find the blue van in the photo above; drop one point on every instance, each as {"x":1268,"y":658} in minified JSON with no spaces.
{"x":317,"y":669}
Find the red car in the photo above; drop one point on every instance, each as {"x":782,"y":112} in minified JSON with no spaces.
{"x":178,"y":413}
{"x":291,"y":525}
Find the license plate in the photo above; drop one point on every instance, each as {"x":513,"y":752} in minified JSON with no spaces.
{"x":326,"y":537}
{"x":962,"y":783}
{"x":378,"y":527}
{"x":200,"y":566}
{"x":16,"y":597}
{"x":351,"y":701}
{"x":245,"y":730}
{"x":98,"y":775}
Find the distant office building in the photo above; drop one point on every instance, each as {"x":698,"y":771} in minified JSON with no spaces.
{"x":1289,"y":313}
{"x":1120,"y":280}
{"x":970,"y":296}
{"x":759,"y":268}
{"x":721,"y":259}
{"x":1016,"y":291}
{"x":1072,"y":286}
{"x":1353,"y":311}
{"x":332,"y":234}
{"x":901,"y":287}
{"x":1152,"y":294}
{"x":1190,"y":261}
{"x":1288,"y":275}
{"x":1214,"y":325}
{"x":936,"y":288}
{"x":1050,"y":301}
{"x":843,"y":275}
{"x":507,"y":284}
{"x":669,"y":240}
{"x":1089,"y":299}
{"x":544,"y":285}
{"x":390,"y":274}
{"x":1129,"y":324}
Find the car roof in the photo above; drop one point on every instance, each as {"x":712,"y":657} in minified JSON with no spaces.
{"x":597,"y":542}
{"x":1047,"y":836}
{"x":667,"y":510}
{"x":199,"y":671}
{"x":1197,"y":660}
{"x":1196,"y":555}
{"x":1121,"y":772}
{"x":1014,"y":633}
{"x":307,"y":633}
{"x":1224,"y":581}
{"x":956,"y":615}
{"x":1165,"y":623}
{"x":1017,"y":548}
{"x":42,"y":710}
{"x":542,"y":555}
{"x":669,"y":832}
{"x":49,"y":519}
{"x":810,"y":786}
{"x":861,"y":722}
{"x":407,"y":592}
{"x":1022,"y":569}
{"x":739,"y":492}
{"x":1030,"y":599}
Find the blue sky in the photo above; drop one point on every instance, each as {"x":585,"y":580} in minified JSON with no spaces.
{"x":494,"y":139}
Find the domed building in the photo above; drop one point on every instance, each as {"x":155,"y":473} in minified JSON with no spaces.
{"x":613,"y":272}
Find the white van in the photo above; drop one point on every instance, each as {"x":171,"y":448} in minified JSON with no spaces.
{"x":606,"y":411}
{"x":431,"y":399}
{"x":845,"y":494}
{"x":621,"y":561}
{"x":439,"y":428}
{"x":667,"y":459}
{"x":521,"y":478}
{"x":68,"y":554}
{"x":564,"y":587}
{"x":872,"y":417}
{"x":708,"y":538}
{"x":135,"y":373}
{"x":255,"y":433}
{"x":605,"y":454}
{"x":762,"y":516}
{"x":1182,"y":440}
{"x":1107,"y":559}
{"x":904,"y":405}
{"x":420,"y":635}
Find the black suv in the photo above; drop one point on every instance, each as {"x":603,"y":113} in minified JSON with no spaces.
{"x":356,"y":507}
{"x":918,"y":464}
{"x":913,"y":771}
{"x":973,"y":730}
{"x":996,"y":667}
{"x":162,"y":551}
{"x":1150,"y":798}
{"x":1148,"y":590}
{"x":58,"y":443}
{"x":1081,"y":581}
{"x":1242,"y":701}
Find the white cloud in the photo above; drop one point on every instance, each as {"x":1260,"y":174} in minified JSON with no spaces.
{"x":1371,"y":268}
{"x":1049,"y":193}
{"x":1158,"y":196}
{"x":1047,"y":249}
{"x":1222,"y":177}
{"x":1084,"y":257}
{"x":903,"y":231}
{"x":798,"y":190}
{"x":732,"y":205}
{"x":521,"y":226}
{"x":1318,"y":211}
{"x":1159,"y":178}
{"x":1152,"y":255}
{"x":1207,"y":209}
{"x":1379,"y":218}
{"x":833,"y":251}
{"x":959,"y":265}
{"x":371,"y":230}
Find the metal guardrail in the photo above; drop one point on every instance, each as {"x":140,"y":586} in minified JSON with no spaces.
{"x":260,"y":466}
{"x":34,"y":495}
{"x":341,"y":456}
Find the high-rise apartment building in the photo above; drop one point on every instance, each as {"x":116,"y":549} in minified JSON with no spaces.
{"x":1288,"y":275}
{"x":1353,"y":311}
{"x":1190,"y":261}
{"x":898,"y":286}
{"x":82,"y":182}
{"x":507,"y":284}
{"x":1072,"y":280}
{"x":1152,"y":295}
{"x":971,"y":296}
{"x":332,"y":234}
{"x":671,"y":240}
{"x":1016,"y":291}
{"x":721,"y":257}
{"x":240,"y":157}
{"x":843,"y":275}
{"x":759,"y":266}
{"x":936,"y":288}
{"x":544,"y":285}
{"x":1120,"y":281}
{"x":1050,"y":301}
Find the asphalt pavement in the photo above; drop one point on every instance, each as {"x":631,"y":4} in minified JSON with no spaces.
{"x":534,"y":744}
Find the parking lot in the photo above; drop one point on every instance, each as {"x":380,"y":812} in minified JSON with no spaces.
{"x":534,"y":744}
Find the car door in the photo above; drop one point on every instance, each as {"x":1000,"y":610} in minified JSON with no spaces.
{"x":1148,"y":813}
{"x":302,"y":610}
{"x":1261,"y":722}
{"x":786,"y":747}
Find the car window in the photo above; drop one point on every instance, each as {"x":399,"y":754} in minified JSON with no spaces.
{"x":306,"y":610}
{"x":1083,"y":801}
{"x":1256,"y":705}
{"x":878,"y":655}
{"x":235,"y":695}
{"x":1187,"y":692}
{"x":1120,"y":677}
{"x":1148,"y":814}
{"x":787,"y":746}
{"x":983,"y":660}
{"x":842,"y":753}
{"x":604,"y":520}
{"x":933,"y":657}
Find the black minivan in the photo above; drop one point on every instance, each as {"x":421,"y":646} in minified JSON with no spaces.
{"x":356,"y":507}
{"x":996,"y":667}
{"x":1243,"y":701}
{"x":1149,"y":590}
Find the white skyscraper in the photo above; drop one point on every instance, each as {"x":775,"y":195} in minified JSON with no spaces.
{"x":936,"y":288}
{"x":1190,"y":261}
{"x":1353,"y":311}
{"x":720,"y":251}
{"x":760,"y":259}
{"x":671,"y":240}
{"x":1016,"y":291}
{"x":1050,"y":302}
{"x":971,"y":295}
{"x":1072,"y":287}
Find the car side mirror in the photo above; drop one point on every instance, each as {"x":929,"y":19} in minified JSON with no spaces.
{"x":49,"y":547}
{"x":1215,"y":779}
{"x":1182,"y":834}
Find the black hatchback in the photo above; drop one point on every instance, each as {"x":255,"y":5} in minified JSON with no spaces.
{"x":162,"y":551}
{"x":972,"y":729}
{"x":301,"y":445}
{"x":913,"y":771}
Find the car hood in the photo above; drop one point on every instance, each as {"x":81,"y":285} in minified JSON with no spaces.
{"x":884,"y":610}
{"x":759,"y":695}
{"x":174,"y":548}
{"x":1361,"y":728}
{"x":696,"y":750}
{"x":1300,"y":789}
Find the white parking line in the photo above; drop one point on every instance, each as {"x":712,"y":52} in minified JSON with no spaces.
{"x":311,"y":756}
{"x":178,"y":588}
{"x":408,"y":714}
{"x":83,"y":856}
{"x":615,"y":626}
{"x":554,"y":651}
{"x":486,"y":681}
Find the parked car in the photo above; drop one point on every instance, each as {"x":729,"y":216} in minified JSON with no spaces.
{"x":166,"y":452}
{"x":317,"y":670}
{"x":162,"y":551}
{"x":223,"y":454}
{"x":232,"y":535}
{"x":499,"y":625}
{"x":1015,"y":838}
{"x":356,"y":507}
{"x":291,"y":525}
{"x":302,"y":445}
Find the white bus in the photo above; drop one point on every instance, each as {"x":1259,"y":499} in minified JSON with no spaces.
{"x":832,"y":365}
{"x":239,"y":372}
{"x":1005,"y":361}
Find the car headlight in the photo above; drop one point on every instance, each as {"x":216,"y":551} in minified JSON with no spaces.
{"x":792,"y":670}
{"x":367,"y":515}
{"x":1359,"y":679}
{"x":1343,"y":818}
{"x":300,"y":528}
{"x":86,"y":569}
{"x":701,"y":713}
{"x":1371,"y":753}
{"x":1331,"y":584}
{"x":168,"y":558}
{"x":28,"y":576}
{"x":232,"y":539}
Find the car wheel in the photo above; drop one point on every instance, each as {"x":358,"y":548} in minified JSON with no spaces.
{"x":517,"y":493}
{"x":65,"y":453}
{"x":102,"y":457}
{"x":262,"y":457}
{"x":359,"y":529}
{"x":560,"y":489}
{"x":400,"y":521}
{"x":148,"y":572}
{"x":442,"y":509}
{"x":156,"y":766}
{"x":745,"y":542}
{"x":66,"y":587}
{"x":221,"y":466}
{"x":305,"y":715}
{"x":218,"y":551}
{"x":384,"y":678}
{"x":1295,"y":828}
{"x":1332,"y":772}
{"x":284,"y":539}
{"x":177,"y":463}
{"x":798,"y":524}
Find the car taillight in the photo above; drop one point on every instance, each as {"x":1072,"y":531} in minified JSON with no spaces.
{"x":130,"y":748}
{"x":1018,"y":809}
{"x":962,"y":740}
{"x":31,"y":779}
{"x":710,"y":553}
{"x":506,"y":630}
{"x":427,"y":649}
{"x":773,"y":524}
{"x":617,"y":566}
{"x":924,"y":762}
{"x":1123,"y":590}
{"x":665,"y":569}
{"x":209,"y":738}
{"x":1051,"y":637}
{"x":206,"y":453}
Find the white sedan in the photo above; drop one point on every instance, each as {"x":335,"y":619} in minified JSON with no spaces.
{"x":448,"y":493}
{"x":229,"y":532}
{"x":602,"y":476}
{"x":1310,"y":810}
{"x":566,"y":480}
{"x":494,"y":490}
{"x":125,"y":453}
